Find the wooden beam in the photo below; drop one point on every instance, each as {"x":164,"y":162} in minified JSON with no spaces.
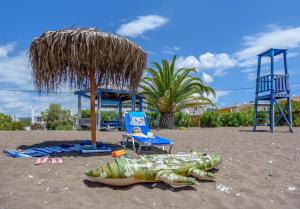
{"x":92,"y":100}
{"x":133,"y":102}
{"x":99,"y":106}
{"x":141,"y":104}
{"x":79,"y":111}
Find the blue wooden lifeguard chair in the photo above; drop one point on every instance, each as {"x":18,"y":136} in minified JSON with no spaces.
{"x":269,"y":89}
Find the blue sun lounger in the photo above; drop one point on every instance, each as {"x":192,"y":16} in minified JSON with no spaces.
{"x":138,"y":120}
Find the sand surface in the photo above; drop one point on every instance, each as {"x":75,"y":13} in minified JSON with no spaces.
{"x":259,"y":170}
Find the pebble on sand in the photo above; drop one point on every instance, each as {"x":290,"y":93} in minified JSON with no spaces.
{"x":291,"y":188}
{"x":223,"y":188}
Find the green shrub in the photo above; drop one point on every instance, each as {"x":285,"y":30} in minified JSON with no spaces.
{"x":109,"y":115}
{"x":231,"y":119}
{"x":182,"y":119}
{"x":105,"y":115}
{"x":55,"y":116}
{"x":296,"y":122}
{"x":18,"y":125}
{"x":6,"y":123}
{"x":236,"y":119}
{"x":64,"y":127}
{"x":210,"y":119}
{"x":85,"y":113}
{"x":295,"y":113}
{"x":153,"y":119}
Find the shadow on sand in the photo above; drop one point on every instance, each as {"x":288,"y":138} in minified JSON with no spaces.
{"x":113,"y":147}
{"x":153,"y":185}
{"x":264,"y":131}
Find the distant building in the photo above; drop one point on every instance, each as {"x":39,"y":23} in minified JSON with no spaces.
{"x":36,"y":118}
{"x":296,"y":98}
{"x":197,"y":109}
{"x":14,"y":118}
{"x":240,"y":107}
{"x":261,"y":107}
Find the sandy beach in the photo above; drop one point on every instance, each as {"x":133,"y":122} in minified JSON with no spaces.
{"x":259,"y":170}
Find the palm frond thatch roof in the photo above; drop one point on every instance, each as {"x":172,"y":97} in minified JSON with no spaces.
{"x":64,"y":56}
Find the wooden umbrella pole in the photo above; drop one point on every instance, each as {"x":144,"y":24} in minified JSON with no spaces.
{"x":92,"y":100}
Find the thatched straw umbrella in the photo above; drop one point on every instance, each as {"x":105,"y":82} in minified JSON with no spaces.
{"x":85,"y":58}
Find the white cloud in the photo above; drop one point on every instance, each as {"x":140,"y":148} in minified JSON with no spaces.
{"x":188,"y":62}
{"x":273,"y":37}
{"x":15,"y":70}
{"x":222,"y":93}
{"x":20,"y":103}
{"x":5,"y":49}
{"x":207,"y":78}
{"x":219,"y":61}
{"x":249,"y":70}
{"x":171,"y":50}
{"x":219,"y":94}
{"x":142,"y":24}
{"x":246,"y":58}
{"x":216,"y":62}
{"x":15,"y":73}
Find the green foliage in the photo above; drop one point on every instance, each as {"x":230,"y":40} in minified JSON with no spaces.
{"x":182,"y":119}
{"x":245,"y":117}
{"x":295,"y":113}
{"x":6,"y":123}
{"x":25,"y":121}
{"x":210,"y":119}
{"x":85,"y":113}
{"x":236,"y":119}
{"x":17,"y":125}
{"x":231,"y":119}
{"x":169,"y":90}
{"x":105,"y":115}
{"x":153,"y":119}
{"x":65,"y":127}
{"x":108,"y":115}
{"x":57,"y":117}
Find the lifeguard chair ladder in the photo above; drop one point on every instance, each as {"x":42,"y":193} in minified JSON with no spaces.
{"x":269,"y":89}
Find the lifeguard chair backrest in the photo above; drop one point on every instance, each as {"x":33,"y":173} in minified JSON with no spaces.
{"x":136,"y":120}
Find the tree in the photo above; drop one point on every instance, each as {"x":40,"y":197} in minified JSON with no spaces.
{"x":57,"y":118}
{"x":7,"y":123}
{"x":170,"y":90}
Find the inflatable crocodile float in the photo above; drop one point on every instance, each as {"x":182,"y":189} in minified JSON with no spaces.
{"x":174,"y":169}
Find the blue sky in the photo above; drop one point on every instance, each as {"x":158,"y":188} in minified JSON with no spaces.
{"x":219,"y":38}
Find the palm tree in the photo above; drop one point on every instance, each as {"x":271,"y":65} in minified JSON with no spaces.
{"x":169,"y":90}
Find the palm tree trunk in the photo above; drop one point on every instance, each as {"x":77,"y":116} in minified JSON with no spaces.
{"x":167,"y":120}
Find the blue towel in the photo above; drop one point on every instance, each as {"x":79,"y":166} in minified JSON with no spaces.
{"x":54,"y":150}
